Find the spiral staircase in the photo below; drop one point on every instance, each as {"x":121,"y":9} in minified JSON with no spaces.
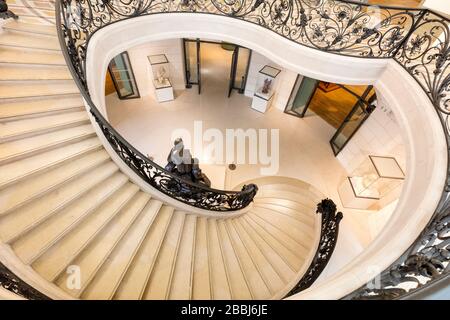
{"x":65,"y":203}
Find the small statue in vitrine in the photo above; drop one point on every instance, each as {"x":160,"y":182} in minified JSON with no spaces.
{"x":266,"y":86}
{"x":160,"y":75}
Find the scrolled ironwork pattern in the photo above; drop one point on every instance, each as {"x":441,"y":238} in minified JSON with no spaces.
{"x":426,"y":56}
{"x":177,"y":188}
{"x":329,"y":232}
{"x":11,"y":282}
{"x":417,"y":39}
{"x":427,"y":260}
{"x":347,"y":28}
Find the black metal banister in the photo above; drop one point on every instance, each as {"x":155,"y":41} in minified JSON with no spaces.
{"x":329,"y":232}
{"x":194,"y":194}
{"x":417,"y":39}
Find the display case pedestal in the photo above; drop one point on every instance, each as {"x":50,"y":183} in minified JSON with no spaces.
{"x":161,"y":72}
{"x":261,"y":102}
{"x":265,"y":82}
{"x":371,"y":181}
{"x":350,"y":198}
{"x":164,"y":92}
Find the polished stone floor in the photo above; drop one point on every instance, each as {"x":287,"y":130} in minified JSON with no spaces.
{"x":304,"y":147}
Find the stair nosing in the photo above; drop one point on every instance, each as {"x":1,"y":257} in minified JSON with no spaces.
{"x":136,"y":250}
{"x":304,"y":227}
{"x":15,"y":29}
{"x":281,"y":230}
{"x":41,"y":114}
{"x":75,"y":223}
{"x":240,"y":226}
{"x":41,"y":131}
{"x":227,"y":272}
{"x":261,"y":275}
{"x":94,"y":235}
{"x":192,"y":255}
{"x":238,"y":259}
{"x":34,"y":63}
{"x":310,"y":216}
{"x":53,"y":187}
{"x":92,"y":276}
{"x":41,"y":96}
{"x":194,"y":247}
{"x":28,"y":47}
{"x":258,"y":245}
{"x":55,"y":164}
{"x":172,"y":268}
{"x":57,"y":209}
{"x":287,"y":262}
{"x":208,"y":250}
{"x":48,"y":147}
{"x":150,"y":271}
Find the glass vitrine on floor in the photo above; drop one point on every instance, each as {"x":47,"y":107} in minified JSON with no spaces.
{"x":265,"y":88}
{"x":161,"y":77}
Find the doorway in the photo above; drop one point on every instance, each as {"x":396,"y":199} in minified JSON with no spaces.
{"x":122,"y":76}
{"x":219,"y":66}
{"x":344,"y":107}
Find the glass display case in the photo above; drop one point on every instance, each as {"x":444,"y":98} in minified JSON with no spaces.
{"x":372,"y":180}
{"x":265,"y":85}
{"x":161,"y":77}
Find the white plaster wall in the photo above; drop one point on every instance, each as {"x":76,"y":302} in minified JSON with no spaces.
{"x":172,"y":48}
{"x":379,"y":135}
{"x":284,"y":88}
{"x":442,"y":6}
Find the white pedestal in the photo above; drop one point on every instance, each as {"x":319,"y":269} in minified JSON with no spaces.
{"x":163,"y":91}
{"x":261,"y":102}
{"x":350,"y":199}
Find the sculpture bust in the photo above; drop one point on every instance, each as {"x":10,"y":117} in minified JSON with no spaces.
{"x":160,"y":75}
{"x":181,"y":163}
{"x":266,"y":86}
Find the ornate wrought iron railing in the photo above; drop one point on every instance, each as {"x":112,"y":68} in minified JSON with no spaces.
{"x":11,"y":282}
{"x":425,"y":54}
{"x":329,"y":232}
{"x":74,"y":33}
{"x":190,"y":193}
{"x":418,"y":39}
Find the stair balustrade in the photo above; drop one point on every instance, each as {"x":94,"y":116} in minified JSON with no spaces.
{"x":329,"y":232}
{"x":417,"y":39}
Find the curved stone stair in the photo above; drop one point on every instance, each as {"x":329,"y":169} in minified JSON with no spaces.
{"x":65,"y":205}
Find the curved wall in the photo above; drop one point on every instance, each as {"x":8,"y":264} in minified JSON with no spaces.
{"x":118,"y":37}
{"x":422,"y":131}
